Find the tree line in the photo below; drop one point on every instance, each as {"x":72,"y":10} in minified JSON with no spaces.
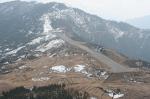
{"x":47,"y":92}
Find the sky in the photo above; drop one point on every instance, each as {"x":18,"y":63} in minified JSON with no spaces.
{"x":120,"y":10}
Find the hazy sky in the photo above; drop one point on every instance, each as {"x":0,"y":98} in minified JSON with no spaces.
{"x":110,"y":9}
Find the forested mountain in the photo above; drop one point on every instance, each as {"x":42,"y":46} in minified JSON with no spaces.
{"x":25,"y":24}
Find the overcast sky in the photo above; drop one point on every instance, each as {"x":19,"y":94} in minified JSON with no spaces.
{"x":110,"y":9}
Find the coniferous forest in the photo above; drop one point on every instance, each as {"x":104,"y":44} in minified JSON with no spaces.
{"x":47,"y":92}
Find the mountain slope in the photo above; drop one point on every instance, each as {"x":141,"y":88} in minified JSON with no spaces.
{"x":18,"y":29}
{"x":141,"y":22}
{"x":115,"y":67}
{"x":42,"y":44}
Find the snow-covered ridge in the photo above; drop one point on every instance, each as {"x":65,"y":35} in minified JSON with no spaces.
{"x":40,"y":39}
{"x":52,"y":44}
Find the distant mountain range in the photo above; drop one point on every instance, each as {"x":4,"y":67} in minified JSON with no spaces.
{"x":141,"y":22}
{"x":28,"y":27}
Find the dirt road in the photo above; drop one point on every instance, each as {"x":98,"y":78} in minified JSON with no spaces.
{"x":114,"y":66}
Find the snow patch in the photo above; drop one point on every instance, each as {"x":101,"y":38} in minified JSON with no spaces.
{"x":93,"y":98}
{"x":79,"y":68}
{"x":59,"y":69}
{"x":41,"y":79}
{"x":64,"y":69}
{"x":15,"y":51}
{"x":41,"y":39}
{"x":23,"y":67}
{"x":35,"y":41}
{"x":47,"y":24}
{"x":117,"y":33}
{"x":6,"y":63}
{"x":115,"y":96}
{"x":23,"y":56}
{"x":101,"y":74}
{"x":7,"y":49}
{"x":55,"y":7}
{"x":49,"y":36}
{"x":88,"y":72}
